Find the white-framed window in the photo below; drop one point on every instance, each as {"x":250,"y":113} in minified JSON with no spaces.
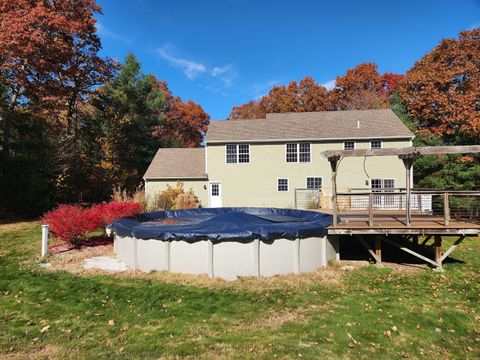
{"x":376,"y":144}
{"x":244,"y":153}
{"x":379,"y":185}
{"x":349,"y":145}
{"x":237,"y":153}
{"x":314,"y":182}
{"x":282,"y":184}
{"x":215,"y":189}
{"x":297,"y":152}
{"x":304,"y":152}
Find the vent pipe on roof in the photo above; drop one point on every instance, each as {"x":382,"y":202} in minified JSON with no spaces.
{"x":358,"y":124}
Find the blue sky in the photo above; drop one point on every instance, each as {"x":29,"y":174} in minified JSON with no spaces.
{"x":225,"y":53}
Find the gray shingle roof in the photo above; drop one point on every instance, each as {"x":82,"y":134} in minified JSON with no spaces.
{"x":311,"y":126}
{"x":177,"y":163}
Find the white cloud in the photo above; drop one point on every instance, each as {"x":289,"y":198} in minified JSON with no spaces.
{"x":219,"y":70}
{"x":103,"y":31}
{"x":190,"y":68}
{"x":329,"y":85}
{"x":225,"y":73}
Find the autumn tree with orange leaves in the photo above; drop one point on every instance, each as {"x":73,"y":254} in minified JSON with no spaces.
{"x":362,"y":87}
{"x":48,"y":57}
{"x":359,"y":89}
{"x":307,"y":95}
{"x":184,"y":124}
{"x":442,"y":90}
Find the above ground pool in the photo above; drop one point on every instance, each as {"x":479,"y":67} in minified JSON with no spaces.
{"x":226,"y":242}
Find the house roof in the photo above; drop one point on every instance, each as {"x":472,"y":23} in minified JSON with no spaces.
{"x":324,"y":125}
{"x":177,"y":163}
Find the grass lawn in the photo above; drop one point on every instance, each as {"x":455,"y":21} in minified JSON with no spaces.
{"x":370,"y":313}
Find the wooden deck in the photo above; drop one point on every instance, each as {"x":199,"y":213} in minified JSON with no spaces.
{"x":386,"y":224}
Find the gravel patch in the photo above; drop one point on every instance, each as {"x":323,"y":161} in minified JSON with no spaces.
{"x":106,"y":263}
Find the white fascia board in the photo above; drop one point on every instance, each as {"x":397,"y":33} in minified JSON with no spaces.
{"x":299,"y":140}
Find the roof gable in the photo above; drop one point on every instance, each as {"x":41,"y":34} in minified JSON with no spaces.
{"x":324,"y":125}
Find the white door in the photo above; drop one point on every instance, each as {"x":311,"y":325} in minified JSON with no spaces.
{"x":386,"y":202}
{"x":215,"y":194}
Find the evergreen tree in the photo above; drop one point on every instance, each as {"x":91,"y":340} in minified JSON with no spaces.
{"x":126,"y":111}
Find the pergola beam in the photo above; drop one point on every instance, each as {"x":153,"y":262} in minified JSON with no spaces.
{"x":411,"y":151}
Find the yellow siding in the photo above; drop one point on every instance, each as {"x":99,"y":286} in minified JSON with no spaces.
{"x":255,"y":184}
{"x":153,"y":187}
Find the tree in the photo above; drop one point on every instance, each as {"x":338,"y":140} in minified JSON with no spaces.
{"x":250,"y":110}
{"x":48,"y":56}
{"x":184,"y":124}
{"x":442,"y":90}
{"x":360,"y":88}
{"x":391,"y":82}
{"x":127,"y":110}
{"x":305,"y":96}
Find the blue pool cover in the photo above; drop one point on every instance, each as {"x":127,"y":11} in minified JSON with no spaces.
{"x":224,"y":224}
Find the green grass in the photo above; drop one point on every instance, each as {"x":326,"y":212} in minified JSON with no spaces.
{"x":429,"y":315}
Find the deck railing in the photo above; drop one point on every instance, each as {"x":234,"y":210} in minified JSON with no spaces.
{"x":456,"y":205}
{"x":374,"y":203}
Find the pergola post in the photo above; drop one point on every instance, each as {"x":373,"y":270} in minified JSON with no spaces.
{"x":408,"y":163}
{"x":334,"y":165}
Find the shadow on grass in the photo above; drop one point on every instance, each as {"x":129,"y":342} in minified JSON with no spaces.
{"x":352,"y":249}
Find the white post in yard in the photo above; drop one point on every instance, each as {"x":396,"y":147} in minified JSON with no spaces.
{"x":44,"y":240}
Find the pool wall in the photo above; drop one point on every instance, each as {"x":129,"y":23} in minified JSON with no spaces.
{"x":228,"y":259}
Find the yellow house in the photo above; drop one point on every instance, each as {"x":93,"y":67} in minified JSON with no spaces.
{"x":269,"y":162}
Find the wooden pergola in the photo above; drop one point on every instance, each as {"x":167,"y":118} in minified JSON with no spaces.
{"x":428,"y":226}
{"x":406,"y":154}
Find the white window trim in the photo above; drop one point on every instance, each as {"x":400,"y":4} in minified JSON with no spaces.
{"x":288,"y":185}
{"x":238,"y":154}
{"x":394,"y":182}
{"x":383,"y":182}
{"x":354,"y":145}
{"x":298,"y":153}
{"x":306,"y":181}
{"x":381,"y":144}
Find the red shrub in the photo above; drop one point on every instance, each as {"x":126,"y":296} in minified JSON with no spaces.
{"x":111,"y":211}
{"x":71,"y":223}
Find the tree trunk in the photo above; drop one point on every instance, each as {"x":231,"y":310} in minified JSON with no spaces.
{"x":7,"y":124}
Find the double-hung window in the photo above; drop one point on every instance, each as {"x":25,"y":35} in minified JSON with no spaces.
{"x":314,"y":182}
{"x":349,"y":145}
{"x":297,"y":152}
{"x":376,"y":144}
{"x":282,"y":184}
{"x":237,"y":153}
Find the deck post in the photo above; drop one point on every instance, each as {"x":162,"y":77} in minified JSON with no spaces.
{"x":446,"y":210}
{"x":334,"y":165}
{"x":438,"y":251}
{"x":415,"y":240}
{"x":378,"y":248}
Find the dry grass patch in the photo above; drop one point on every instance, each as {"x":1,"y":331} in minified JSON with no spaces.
{"x":15,"y":226}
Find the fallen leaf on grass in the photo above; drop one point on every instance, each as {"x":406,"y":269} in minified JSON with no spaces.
{"x":45,"y":329}
{"x":388,"y":334}
{"x":111,"y":322}
{"x":330,"y":336}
